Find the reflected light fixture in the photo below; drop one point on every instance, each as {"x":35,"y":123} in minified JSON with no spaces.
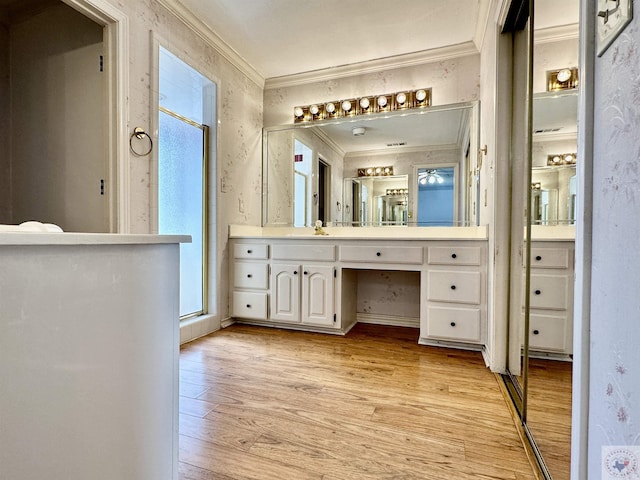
{"x":562,"y":79}
{"x":358,"y":131}
{"x":430,"y":177}
{"x":560,"y":159}
{"x":375,"y":171}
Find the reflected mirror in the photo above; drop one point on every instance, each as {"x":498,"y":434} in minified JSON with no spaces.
{"x":411,"y":168}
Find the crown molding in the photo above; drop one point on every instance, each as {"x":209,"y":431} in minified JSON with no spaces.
{"x":401,"y":150}
{"x":373,"y":66}
{"x":211,"y":38}
{"x":482,"y":23}
{"x":556,"y":34}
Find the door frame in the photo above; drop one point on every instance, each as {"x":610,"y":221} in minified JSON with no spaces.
{"x":116,"y":54}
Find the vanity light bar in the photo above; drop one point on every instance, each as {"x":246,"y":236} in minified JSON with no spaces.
{"x":561,"y":159}
{"x":352,"y":107}
{"x":375,"y":171}
{"x":563,"y":79}
{"x":397,"y":191}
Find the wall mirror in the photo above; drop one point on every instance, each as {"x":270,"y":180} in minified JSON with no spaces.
{"x":319,"y":170}
{"x":553,"y":175}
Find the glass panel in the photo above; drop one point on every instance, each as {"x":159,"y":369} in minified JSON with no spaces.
{"x":436,"y":196}
{"x":180,"y":202}
{"x":302,"y":169}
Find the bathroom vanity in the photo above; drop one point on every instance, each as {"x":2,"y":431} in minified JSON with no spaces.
{"x":89,"y":356}
{"x":292,"y":278}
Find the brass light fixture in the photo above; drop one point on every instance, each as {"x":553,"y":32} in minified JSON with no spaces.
{"x":353,"y":107}
{"x":375,"y":171}
{"x":559,"y":159}
{"x":563,"y":79}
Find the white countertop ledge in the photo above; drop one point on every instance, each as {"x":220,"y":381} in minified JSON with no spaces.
{"x":69,"y":238}
{"x":360,"y":233}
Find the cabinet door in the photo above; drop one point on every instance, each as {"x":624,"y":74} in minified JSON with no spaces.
{"x":317,"y":295}
{"x":285,"y":292}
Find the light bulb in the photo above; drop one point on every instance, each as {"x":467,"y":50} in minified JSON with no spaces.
{"x":382,"y":101}
{"x":298,"y":112}
{"x":440,"y":179}
{"x":346,"y":105}
{"x":364,"y":103}
{"x":401,"y":98}
{"x":431,"y":180}
{"x":421,"y":95}
{"x":330,"y":107}
{"x":563,"y":75}
{"x":314,"y":109}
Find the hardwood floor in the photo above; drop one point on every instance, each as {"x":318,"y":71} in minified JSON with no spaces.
{"x":262,"y":403}
{"x":549,"y":413}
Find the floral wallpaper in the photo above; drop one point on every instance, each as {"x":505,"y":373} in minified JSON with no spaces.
{"x":614,"y":402}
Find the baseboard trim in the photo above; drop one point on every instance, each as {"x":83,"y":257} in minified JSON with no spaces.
{"x":392,"y":320}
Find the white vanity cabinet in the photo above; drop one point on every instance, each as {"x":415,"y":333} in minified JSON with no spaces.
{"x":551,"y":297}
{"x":455,"y":306}
{"x":250,"y":280}
{"x":328,"y":283}
{"x":303,"y":294}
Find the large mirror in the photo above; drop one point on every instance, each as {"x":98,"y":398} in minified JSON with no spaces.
{"x":410,"y":168}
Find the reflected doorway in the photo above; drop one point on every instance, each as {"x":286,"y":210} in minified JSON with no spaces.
{"x":436,"y":205}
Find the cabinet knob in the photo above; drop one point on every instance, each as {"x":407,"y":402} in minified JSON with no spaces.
{"x":453,"y":287}
{"x":538,"y":292}
{"x":536,"y":332}
{"x":453,"y":324}
{"x":305,"y":272}
{"x":538,"y":258}
{"x":249,"y":275}
{"x":295,"y":272}
{"x":453,"y":255}
{"x":248,"y":306}
{"x":378,"y":254}
{"x":249,"y":251}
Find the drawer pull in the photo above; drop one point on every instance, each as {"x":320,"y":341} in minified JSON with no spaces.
{"x":249,"y":275}
{"x":453,"y":255}
{"x":453,"y":324}
{"x":378,"y":254}
{"x":538,"y":292}
{"x":305,"y":272}
{"x":536,"y":332}
{"x":538,"y":258}
{"x":295,"y":272}
{"x":453,"y":287}
{"x":248,"y":306}
{"x":249,"y":251}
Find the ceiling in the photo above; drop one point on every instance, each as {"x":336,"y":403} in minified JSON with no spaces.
{"x":286,"y":37}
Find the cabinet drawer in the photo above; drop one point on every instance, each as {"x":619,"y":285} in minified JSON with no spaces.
{"x":547,"y":332}
{"x":250,"y":305}
{"x":549,"y":291}
{"x":324,"y":253}
{"x":454,"y":256}
{"x":381,"y":254}
{"x":455,"y":287}
{"x":248,"y":250}
{"x":250,"y":275}
{"x":461,"y":324}
{"x":549,"y":257}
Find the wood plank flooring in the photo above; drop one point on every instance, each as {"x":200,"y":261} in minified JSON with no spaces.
{"x":549,"y":413}
{"x":261,"y":403}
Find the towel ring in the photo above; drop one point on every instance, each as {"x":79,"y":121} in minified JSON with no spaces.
{"x":140,"y":134}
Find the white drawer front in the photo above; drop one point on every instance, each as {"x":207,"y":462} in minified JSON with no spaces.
{"x":455,"y":287}
{"x":549,"y":291}
{"x":381,"y":254}
{"x":310,"y":252}
{"x":461,"y":324}
{"x":549,"y":257}
{"x":250,"y":275}
{"x":250,"y":305}
{"x":454,"y":256}
{"x":547,"y":332}
{"x":248,"y":250}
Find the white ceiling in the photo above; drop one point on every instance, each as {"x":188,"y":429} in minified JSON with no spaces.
{"x":285,"y":37}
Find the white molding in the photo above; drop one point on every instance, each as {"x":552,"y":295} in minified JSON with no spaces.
{"x":116,"y":26}
{"x":400,"y":150}
{"x":373,"y":66}
{"x":482,"y":23}
{"x":393,"y":320}
{"x":211,"y":38}
{"x":557,"y":34}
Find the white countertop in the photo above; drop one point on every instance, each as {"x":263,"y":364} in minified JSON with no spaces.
{"x":360,"y":233}
{"x":69,"y":238}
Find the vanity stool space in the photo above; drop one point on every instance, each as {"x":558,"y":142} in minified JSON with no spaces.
{"x":301,"y":281}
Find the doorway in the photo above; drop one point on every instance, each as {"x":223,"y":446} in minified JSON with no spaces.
{"x":324,"y":179}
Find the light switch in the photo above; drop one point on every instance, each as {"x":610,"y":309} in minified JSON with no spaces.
{"x":613,"y":16}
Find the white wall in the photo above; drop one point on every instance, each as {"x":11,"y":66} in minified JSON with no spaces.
{"x":613,"y":356}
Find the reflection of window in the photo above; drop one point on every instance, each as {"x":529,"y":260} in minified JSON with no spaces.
{"x":436,"y":196}
{"x":302,"y":168}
